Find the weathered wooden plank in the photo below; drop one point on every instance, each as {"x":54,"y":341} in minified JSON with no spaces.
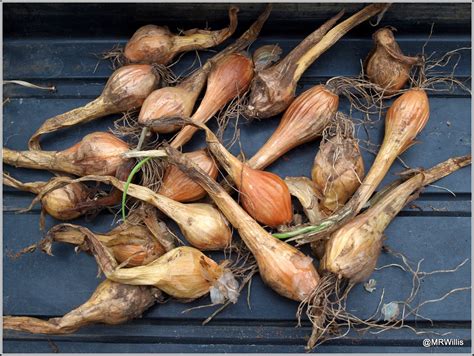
{"x":58,"y":59}
{"x":122,"y":347}
{"x":242,"y":333}
{"x":96,"y":20}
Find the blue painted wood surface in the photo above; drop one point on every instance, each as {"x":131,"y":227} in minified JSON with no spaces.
{"x":436,"y":227}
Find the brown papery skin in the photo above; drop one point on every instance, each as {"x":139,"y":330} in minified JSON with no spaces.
{"x":126,"y":89}
{"x":273,"y":89}
{"x":353,"y":250}
{"x":229,"y":77}
{"x":168,"y":102}
{"x":155,"y":44}
{"x":337,"y":171}
{"x":303,"y":121}
{"x":404,"y":120}
{"x":285,"y":269}
{"x":178,"y":186}
{"x":134,"y":244}
{"x":112,"y":303}
{"x":264,"y":195}
{"x":386,"y":65}
{"x":98,"y":153}
{"x":60,"y":203}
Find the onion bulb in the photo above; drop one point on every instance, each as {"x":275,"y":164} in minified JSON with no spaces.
{"x":404,"y":120}
{"x":97,"y":153}
{"x":111,"y":303}
{"x":177,"y":186}
{"x":303,"y":121}
{"x":126,"y":89}
{"x":183,"y":273}
{"x":386,"y":65}
{"x":156,"y":44}
{"x":273,"y":88}
{"x":263,"y":195}
{"x":338,"y":167}
{"x":229,"y":77}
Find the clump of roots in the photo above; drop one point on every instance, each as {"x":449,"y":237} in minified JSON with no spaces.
{"x":327,"y":310}
{"x":115,"y":56}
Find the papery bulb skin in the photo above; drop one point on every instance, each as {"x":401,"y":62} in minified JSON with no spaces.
{"x":352,"y":251}
{"x":229,"y":78}
{"x":164,"y":103}
{"x":303,"y":121}
{"x":178,"y":186}
{"x":404,"y":120}
{"x":337,"y":172}
{"x":137,"y":254}
{"x":98,"y":153}
{"x":407,"y":116}
{"x":150,"y":44}
{"x":386,"y":65}
{"x":157,"y":44}
{"x":204,"y":227}
{"x":270,"y":94}
{"x":264,"y":196}
{"x":234,"y":72}
{"x":60,"y":203}
{"x":129,"y":86}
{"x":287,"y":271}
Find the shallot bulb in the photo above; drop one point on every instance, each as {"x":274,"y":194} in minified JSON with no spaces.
{"x":176,"y":185}
{"x":404,"y":120}
{"x":97,"y":153}
{"x":126,"y":89}
{"x":263,"y":195}
{"x":338,"y":168}
{"x":386,"y":65}
{"x":111,"y":303}
{"x":183,"y":273}
{"x":156,"y":44}
{"x":303,"y":121}
{"x":60,"y":203}
{"x":230,"y":77}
